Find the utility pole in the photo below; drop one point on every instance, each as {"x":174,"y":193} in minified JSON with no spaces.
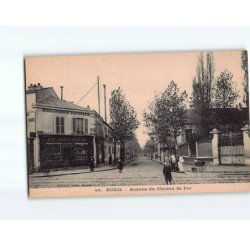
{"x":61,"y":92}
{"x":98,"y":89}
{"x":105,"y":103}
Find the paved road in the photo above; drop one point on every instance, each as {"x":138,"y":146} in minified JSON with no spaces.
{"x":139,"y":172}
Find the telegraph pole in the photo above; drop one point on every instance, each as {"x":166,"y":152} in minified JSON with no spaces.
{"x":105,"y":103}
{"x":98,"y":89}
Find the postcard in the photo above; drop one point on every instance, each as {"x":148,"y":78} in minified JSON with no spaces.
{"x":137,"y":124}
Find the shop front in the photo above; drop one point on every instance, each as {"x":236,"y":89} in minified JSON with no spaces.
{"x":65,"y":150}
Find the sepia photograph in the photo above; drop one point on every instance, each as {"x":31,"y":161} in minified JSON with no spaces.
{"x":142,"y":123}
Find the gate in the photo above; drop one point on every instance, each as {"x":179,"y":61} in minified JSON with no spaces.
{"x":231,"y":148}
{"x":184,"y":150}
{"x":204,"y":149}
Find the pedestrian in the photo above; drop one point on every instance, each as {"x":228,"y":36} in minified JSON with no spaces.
{"x":114,"y":161}
{"x":91,"y":163}
{"x":180,"y":164}
{"x":167,"y":172}
{"x":171,"y":163}
{"x":110,"y":159}
{"x":120,"y":165}
{"x":174,"y":162}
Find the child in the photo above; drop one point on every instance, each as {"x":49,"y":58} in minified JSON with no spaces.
{"x":167,"y":172}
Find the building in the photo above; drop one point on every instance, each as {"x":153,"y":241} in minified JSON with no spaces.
{"x":62,"y":134}
{"x":226,"y":120}
{"x":226,"y":143}
{"x":105,"y":143}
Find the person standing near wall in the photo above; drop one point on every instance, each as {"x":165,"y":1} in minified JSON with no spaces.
{"x":91,"y":163}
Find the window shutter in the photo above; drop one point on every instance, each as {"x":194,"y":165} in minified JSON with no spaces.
{"x":57,"y":125}
{"x":86,"y":126}
{"x":62,"y":125}
{"x":74,"y":125}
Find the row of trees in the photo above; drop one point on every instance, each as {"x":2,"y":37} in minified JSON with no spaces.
{"x":124,"y":122}
{"x":212,"y":96}
{"x":166,"y":114}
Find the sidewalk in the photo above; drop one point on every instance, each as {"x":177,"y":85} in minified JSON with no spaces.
{"x":78,"y":170}
{"x":72,"y":171}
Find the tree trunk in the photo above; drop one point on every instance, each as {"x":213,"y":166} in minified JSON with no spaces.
{"x":122,"y":151}
{"x":175,"y":142}
{"x":114,"y":149}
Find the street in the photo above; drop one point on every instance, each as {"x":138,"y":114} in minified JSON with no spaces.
{"x":141,"y":171}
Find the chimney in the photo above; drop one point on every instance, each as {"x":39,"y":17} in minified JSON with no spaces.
{"x":61,"y":92}
{"x":105,"y":103}
{"x":35,"y":87}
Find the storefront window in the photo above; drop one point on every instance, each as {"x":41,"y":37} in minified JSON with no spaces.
{"x":81,"y":153}
{"x":53,"y":153}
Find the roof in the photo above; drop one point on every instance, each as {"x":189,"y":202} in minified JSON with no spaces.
{"x":48,"y":97}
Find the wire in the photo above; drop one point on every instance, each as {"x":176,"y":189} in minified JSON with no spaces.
{"x":86,"y":93}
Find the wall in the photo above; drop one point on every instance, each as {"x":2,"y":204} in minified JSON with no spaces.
{"x":46,"y":122}
{"x":246,"y":139}
{"x":30,"y":100}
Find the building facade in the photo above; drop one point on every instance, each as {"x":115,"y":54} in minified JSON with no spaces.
{"x":62,"y":134}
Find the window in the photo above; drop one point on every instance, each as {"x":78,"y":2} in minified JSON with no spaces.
{"x":60,"y":125}
{"x":78,"y":126}
{"x":86,"y":126}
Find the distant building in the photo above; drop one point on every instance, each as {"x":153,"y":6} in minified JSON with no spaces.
{"x":225,"y":120}
{"x":62,"y":134}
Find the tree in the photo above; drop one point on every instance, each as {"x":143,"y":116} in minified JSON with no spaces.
{"x":167,"y":113}
{"x":123,"y":119}
{"x":201,"y":100}
{"x":150,"y":147}
{"x":244,"y":66}
{"x":225,"y":94}
{"x":133,"y":147}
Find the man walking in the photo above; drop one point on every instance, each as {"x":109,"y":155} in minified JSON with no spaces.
{"x":120,"y":165}
{"x":167,"y":172}
{"x":110,"y":159}
{"x":91,"y":163}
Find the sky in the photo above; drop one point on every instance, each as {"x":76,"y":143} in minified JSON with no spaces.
{"x":140,"y":76}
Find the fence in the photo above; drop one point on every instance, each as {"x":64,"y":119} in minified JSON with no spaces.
{"x":231,"y":148}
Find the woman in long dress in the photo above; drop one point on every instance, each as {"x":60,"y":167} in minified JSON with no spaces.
{"x":180,"y":164}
